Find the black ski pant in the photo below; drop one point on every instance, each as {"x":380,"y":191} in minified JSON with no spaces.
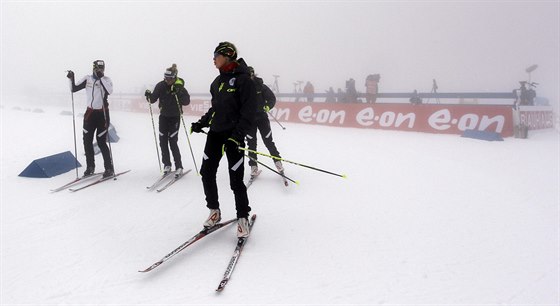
{"x":168,"y":137}
{"x":263,"y":125}
{"x":94,"y":120}
{"x":217,"y":145}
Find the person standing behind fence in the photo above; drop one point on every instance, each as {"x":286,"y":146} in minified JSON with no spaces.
{"x":415,"y":98}
{"x":172,"y":95}
{"x":331,"y":96}
{"x":351,"y":93}
{"x":372,"y":87}
{"x":96,"y":118}
{"x":265,"y":102}
{"x":309,"y":91}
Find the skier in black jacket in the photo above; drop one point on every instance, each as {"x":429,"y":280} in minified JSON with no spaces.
{"x":230,"y":117}
{"x":172,"y":95}
{"x":265,"y":102}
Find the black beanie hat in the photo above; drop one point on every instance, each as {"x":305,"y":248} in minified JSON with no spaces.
{"x":226,"y":48}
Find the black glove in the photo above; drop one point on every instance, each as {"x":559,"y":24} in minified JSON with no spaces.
{"x":70,"y":74}
{"x":197,"y":127}
{"x":148,"y":94}
{"x":176,"y":88}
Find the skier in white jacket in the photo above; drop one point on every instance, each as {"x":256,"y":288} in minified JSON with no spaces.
{"x":98,"y":88}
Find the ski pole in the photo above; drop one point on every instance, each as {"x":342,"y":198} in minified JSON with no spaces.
{"x":155,"y":137}
{"x":291,"y":162}
{"x":74,"y":127}
{"x":269,"y":168}
{"x":186,"y":132}
{"x":273,"y":117}
{"x":107,"y":126}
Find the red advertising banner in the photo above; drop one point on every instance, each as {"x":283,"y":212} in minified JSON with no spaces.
{"x":428,"y":118}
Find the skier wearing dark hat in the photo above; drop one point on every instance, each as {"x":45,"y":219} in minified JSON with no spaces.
{"x":230,"y":117}
{"x":172,"y":95}
{"x":98,"y":87}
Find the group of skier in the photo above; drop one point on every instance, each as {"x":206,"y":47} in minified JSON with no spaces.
{"x":239,"y":106}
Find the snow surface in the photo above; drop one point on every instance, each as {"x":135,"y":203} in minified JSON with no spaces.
{"x":421,"y":219}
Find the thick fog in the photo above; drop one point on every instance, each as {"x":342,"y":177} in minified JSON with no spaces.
{"x":466,"y":47}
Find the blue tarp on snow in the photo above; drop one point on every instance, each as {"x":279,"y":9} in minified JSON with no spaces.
{"x":483,"y":135}
{"x":51,"y":165}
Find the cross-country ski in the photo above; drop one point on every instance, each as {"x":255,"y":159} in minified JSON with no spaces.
{"x":160,"y":180}
{"x":203,"y":233}
{"x":101,"y":180}
{"x":174,"y":179}
{"x":80,"y":180}
{"x":252,"y":178}
{"x":235,"y":257}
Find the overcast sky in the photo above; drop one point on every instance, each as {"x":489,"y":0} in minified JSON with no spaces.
{"x":466,"y":46}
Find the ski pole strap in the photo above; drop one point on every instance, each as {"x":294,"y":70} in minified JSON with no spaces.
{"x":291,"y":162}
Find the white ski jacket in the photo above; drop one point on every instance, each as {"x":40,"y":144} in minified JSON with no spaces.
{"x":95,"y":93}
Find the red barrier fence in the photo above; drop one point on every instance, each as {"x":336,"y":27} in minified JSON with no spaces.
{"x":428,"y":118}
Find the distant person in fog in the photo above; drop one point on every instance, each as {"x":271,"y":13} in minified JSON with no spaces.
{"x":309,"y":91}
{"x":415,"y":99}
{"x":340,"y":96}
{"x":331,"y":96}
{"x":351,"y":93}
{"x":372,"y":87}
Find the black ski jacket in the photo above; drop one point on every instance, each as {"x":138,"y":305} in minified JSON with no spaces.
{"x":168,"y":100}
{"x":233,"y":105}
{"x":265,"y":96}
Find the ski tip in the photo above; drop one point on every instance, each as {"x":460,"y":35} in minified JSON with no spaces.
{"x":297,"y":183}
{"x":222,"y":285}
{"x":146,"y":270}
{"x":150,"y":268}
{"x":344,"y":176}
